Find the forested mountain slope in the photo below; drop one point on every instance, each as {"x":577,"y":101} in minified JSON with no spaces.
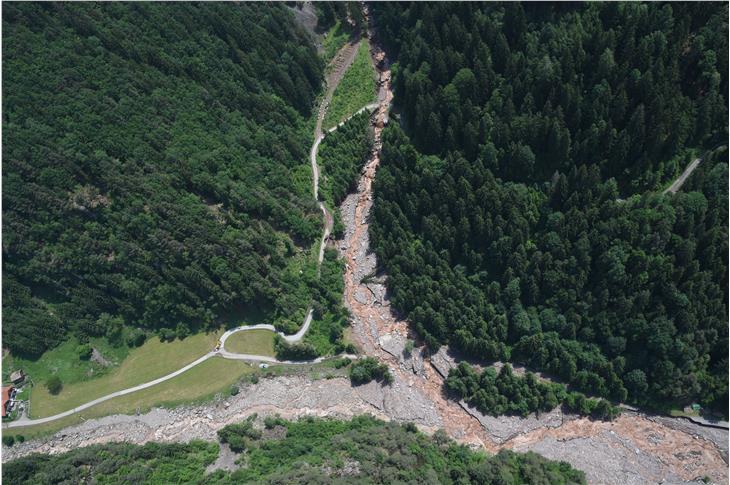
{"x":531,"y":89}
{"x":508,"y":260}
{"x":154,"y":166}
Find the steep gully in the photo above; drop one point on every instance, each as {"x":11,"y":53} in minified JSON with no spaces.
{"x":633,"y":449}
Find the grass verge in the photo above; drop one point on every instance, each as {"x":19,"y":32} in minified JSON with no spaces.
{"x":258,"y":342}
{"x":152,"y":360}
{"x":356,"y":89}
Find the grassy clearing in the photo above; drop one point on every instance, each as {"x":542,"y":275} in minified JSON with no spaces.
{"x":150,"y":361}
{"x":334,"y":40}
{"x":64,"y":362}
{"x":356,"y":89}
{"x":199,"y":384}
{"x":258,"y":342}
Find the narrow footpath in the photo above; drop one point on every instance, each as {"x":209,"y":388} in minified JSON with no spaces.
{"x":677,"y":184}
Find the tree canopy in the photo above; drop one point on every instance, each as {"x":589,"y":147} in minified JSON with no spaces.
{"x":154,"y":166}
{"x":534,"y":88}
{"x":498,"y":213}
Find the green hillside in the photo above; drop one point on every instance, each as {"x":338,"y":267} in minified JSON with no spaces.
{"x":501,"y":210}
{"x":154,"y":168}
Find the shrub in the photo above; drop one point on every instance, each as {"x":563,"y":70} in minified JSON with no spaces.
{"x":166,"y":335}
{"x":8,"y":440}
{"x":297,"y":351}
{"x":340,"y":363}
{"x":432,"y":343}
{"x":365,"y":370}
{"x":84,"y":351}
{"x":182,"y":331}
{"x":234,"y":390}
{"x":54,"y":385}
{"x":239,"y":436}
{"x":113,"y":328}
{"x":136,"y":337}
{"x":408,"y":349}
{"x":20,"y":438}
{"x":271,"y":422}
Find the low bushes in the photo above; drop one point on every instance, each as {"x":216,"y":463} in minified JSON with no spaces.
{"x":365,"y":370}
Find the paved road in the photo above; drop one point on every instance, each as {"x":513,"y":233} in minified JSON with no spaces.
{"x":25,"y":421}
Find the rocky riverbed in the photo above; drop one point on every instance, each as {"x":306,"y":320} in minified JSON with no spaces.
{"x":288,"y":396}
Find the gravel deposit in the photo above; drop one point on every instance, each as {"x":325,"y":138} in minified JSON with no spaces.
{"x":607,"y":458}
{"x":717,"y":436}
{"x":289,"y":396}
{"x":504,"y":428}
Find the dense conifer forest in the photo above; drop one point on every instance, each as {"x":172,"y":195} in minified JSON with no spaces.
{"x":363,"y":450}
{"x":531,"y":89}
{"x":504,"y":214}
{"x":155,"y":167}
{"x":509,"y":393}
{"x":342,"y":155}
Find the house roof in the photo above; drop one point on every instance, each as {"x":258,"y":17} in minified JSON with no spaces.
{"x":6,"y":397}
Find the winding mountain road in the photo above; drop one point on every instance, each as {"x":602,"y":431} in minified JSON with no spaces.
{"x":342,"y":62}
